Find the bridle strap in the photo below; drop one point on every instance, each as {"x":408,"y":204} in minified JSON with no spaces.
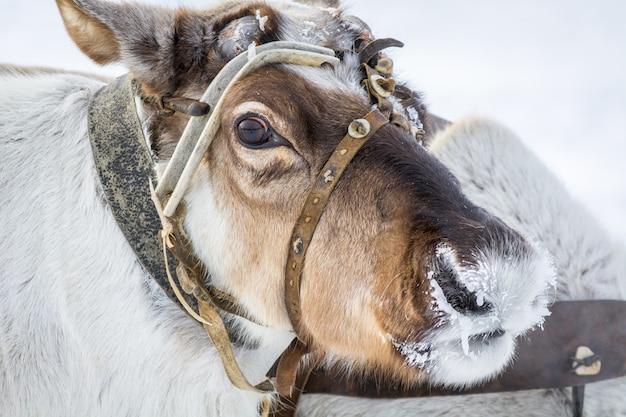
{"x":380,"y":86}
{"x":167,"y":197}
{"x":359,"y":132}
{"x":291,"y":380}
{"x":546,"y":359}
{"x":288,"y":369}
{"x":125,"y":167}
{"x":292,"y":375}
{"x":200,"y":131}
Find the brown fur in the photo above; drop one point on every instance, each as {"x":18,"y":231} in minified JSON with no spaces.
{"x":92,"y":37}
{"x":366,"y":277}
{"x":180,"y":57}
{"x":372,"y":240}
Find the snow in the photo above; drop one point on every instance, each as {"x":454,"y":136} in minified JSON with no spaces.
{"x":262,"y":20}
{"x":414,"y":117}
{"x":441,"y":304}
{"x":555,"y":72}
{"x":455,"y":319}
{"x":306,"y":29}
{"x":251,"y":51}
{"x":477,"y":282}
{"x":416,"y":354}
{"x":465,"y":324}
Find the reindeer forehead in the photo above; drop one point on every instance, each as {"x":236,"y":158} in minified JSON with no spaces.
{"x":243,"y":23}
{"x":344,"y":78}
{"x":307,"y":92}
{"x":328,"y":27}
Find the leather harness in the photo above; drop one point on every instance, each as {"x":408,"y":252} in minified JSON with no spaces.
{"x":546,"y":359}
{"x":551,"y":358}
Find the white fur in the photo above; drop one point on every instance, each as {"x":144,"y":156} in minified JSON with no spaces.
{"x":518,"y":305}
{"x":84,"y":282}
{"x":68,"y":277}
{"x":499,"y":173}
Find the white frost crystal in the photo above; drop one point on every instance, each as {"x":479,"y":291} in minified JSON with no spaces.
{"x":262,"y":20}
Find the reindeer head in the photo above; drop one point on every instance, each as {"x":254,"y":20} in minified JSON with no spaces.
{"x":404,"y":274}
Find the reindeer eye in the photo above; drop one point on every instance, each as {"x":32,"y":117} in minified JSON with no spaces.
{"x":253,"y":131}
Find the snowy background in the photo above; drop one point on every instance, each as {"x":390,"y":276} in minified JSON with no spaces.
{"x":553,"y":71}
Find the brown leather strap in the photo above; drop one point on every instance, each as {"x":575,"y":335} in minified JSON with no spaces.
{"x":544,"y":360}
{"x":374,"y":47}
{"x":292,"y":374}
{"x":314,"y":206}
{"x":216,"y":330}
{"x":191,"y":271}
{"x":291,"y":383}
{"x":287,"y":370}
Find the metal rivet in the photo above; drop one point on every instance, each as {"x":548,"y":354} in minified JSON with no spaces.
{"x":316,"y":200}
{"x":343,"y":152}
{"x":307,"y":219}
{"x":328,"y":176}
{"x":359,"y":128}
{"x":294,"y":265}
{"x":291,"y":283}
{"x":586,"y":362}
{"x":297,"y":246}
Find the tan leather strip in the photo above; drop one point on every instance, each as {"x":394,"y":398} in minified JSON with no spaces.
{"x":544,"y":358}
{"x":190,"y":283}
{"x":312,"y":211}
{"x":194,"y":272}
{"x":219,"y":336}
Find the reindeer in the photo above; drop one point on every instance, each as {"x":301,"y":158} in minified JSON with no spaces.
{"x":496,"y":169}
{"x":238,"y":118}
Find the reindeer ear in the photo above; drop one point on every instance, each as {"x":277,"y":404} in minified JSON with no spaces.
{"x":139,"y":36}
{"x":166,"y":50}
{"x":110,"y":32}
{"x":90,"y":33}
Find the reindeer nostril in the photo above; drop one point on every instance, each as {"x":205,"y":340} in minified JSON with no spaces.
{"x":458,"y":295}
{"x":460,"y":298}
